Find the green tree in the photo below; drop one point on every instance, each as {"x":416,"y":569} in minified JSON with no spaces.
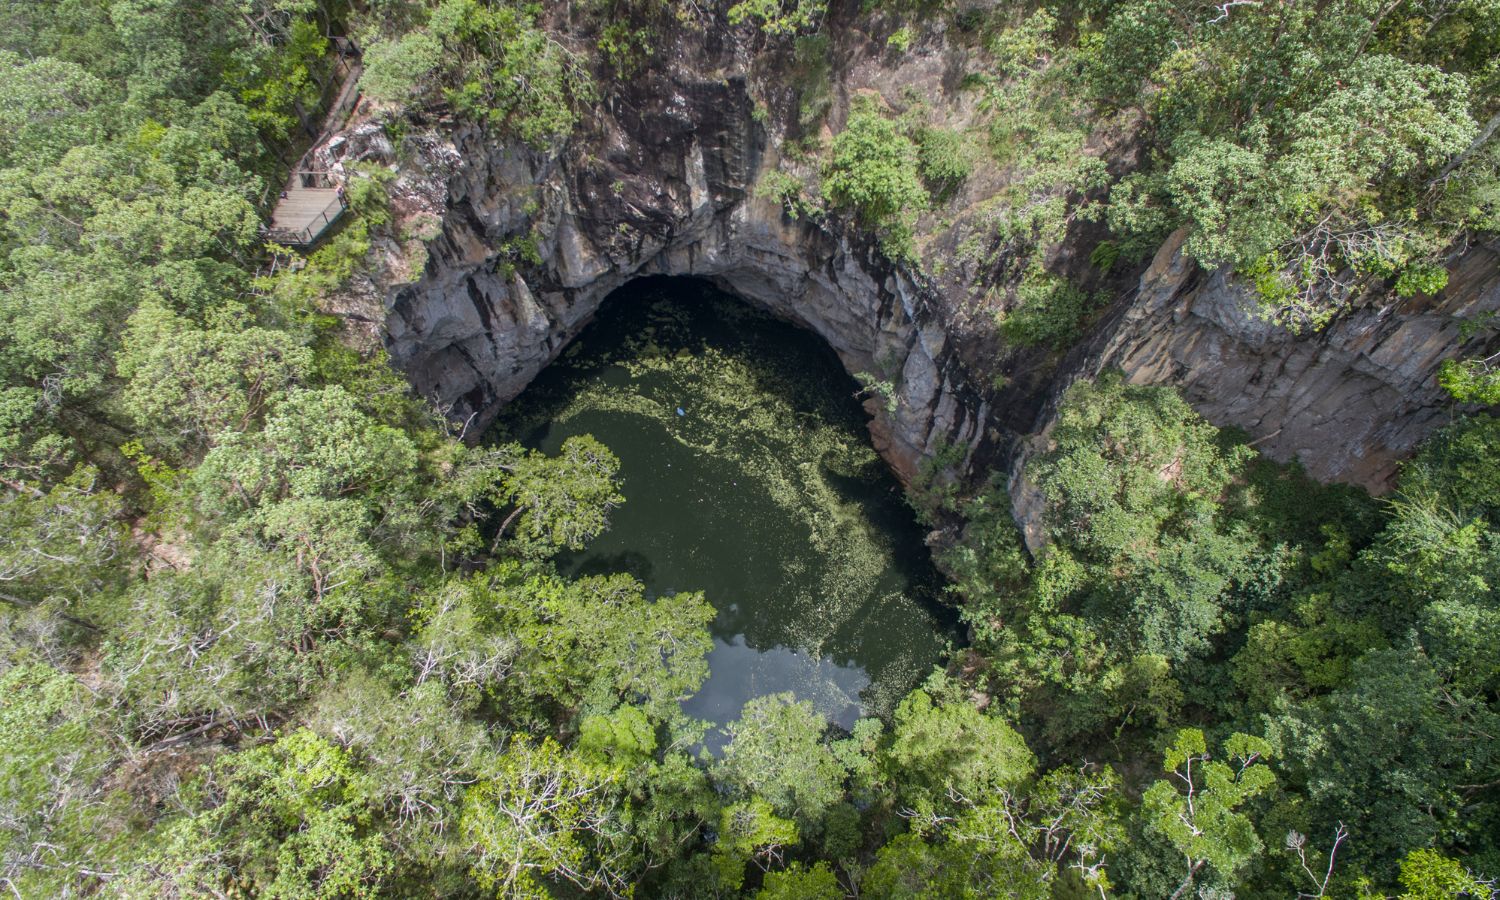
{"x":1017,"y":841}
{"x":749,"y":831}
{"x":187,"y":385}
{"x":420,"y":755}
{"x":982,"y":862}
{"x":63,"y":543}
{"x":51,"y":106}
{"x":537,"y":643}
{"x":543,"y":813}
{"x":1050,"y":312}
{"x":1383,"y":755}
{"x":292,"y":818}
{"x":1429,"y":875}
{"x":776,"y":753}
{"x":1129,"y":463}
{"x":316,"y":443}
{"x":563,"y":501}
{"x":1197,"y":808}
{"x":944,"y":752}
{"x":286,"y":83}
{"x":62,"y":820}
{"x":801,"y":883}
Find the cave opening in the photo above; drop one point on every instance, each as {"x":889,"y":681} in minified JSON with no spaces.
{"x":749,"y":474}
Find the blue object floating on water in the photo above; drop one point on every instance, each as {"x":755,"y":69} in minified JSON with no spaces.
{"x":680,"y":412}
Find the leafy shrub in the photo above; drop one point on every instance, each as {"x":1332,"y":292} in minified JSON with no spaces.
{"x":1050,"y":314}
{"x":1019,"y":49}
{"x":1421,"y":279}
{"x":1139,"y":216}
{"x":788,"y":190}
{"x":943,"y":158}
{"x":774,"y":18}
{"x":396,"y":69}
{"x":625,"y":48}
{"x":288,"y":80}
{"x":1104,"y":255}
{"x":874,"y":171}
{"x":1470,"y":381}
{"x":492,"y":63}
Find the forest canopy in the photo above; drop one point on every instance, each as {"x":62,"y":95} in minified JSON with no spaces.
{"x":271,"y":627}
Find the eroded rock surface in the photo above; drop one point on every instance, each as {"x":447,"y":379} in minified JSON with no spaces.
{"x":525,"y":245}
{"x":532,"y":244}
{"x":1349,"y":402}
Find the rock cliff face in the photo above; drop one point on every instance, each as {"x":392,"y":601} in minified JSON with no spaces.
{"x":1349,"y":402}
{"x":531,"y":245}
{"x":527,"y":245}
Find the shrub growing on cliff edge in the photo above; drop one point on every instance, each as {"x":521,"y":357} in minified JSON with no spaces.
{"x":1050,"y":312}
{"x":874,"y":172}
{"x":777,"y":18}
{"x":944,"y":159}
{"x":491,"y":62}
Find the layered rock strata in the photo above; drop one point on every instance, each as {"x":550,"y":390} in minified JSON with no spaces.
{"x":527,"y":245}
{"x":532,"y":244}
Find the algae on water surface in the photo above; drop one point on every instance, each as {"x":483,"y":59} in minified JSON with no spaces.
{"x":749,"y":475}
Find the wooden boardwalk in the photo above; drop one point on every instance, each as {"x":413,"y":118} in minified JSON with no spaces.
{"x":311,"y":200}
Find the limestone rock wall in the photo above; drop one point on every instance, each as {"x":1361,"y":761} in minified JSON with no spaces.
{"x":526,"y":245}
{"x":531,"y":244}
{"x":1349,"y":402}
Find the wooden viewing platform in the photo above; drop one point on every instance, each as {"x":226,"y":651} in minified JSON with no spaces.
{"x":312,"y":201}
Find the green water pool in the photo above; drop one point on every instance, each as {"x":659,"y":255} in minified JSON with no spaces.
{"x":749,"y":475}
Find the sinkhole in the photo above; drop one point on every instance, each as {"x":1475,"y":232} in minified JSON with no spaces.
{"x":749,"y":475}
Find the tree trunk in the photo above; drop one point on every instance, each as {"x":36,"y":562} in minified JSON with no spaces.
{"x":1188,"y":881}
{"x":1485,"y":133}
